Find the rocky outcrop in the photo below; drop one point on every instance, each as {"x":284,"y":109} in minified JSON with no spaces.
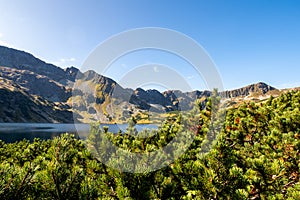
{"x":258,"y":89}
{"x":72,"y":73}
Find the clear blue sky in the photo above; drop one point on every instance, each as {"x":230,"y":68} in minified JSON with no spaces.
{"x":249,"y":41}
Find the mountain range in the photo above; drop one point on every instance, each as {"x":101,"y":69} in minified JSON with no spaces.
{"x":32,"y":90}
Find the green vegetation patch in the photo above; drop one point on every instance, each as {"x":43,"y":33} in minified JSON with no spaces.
{"x":256,"y":156}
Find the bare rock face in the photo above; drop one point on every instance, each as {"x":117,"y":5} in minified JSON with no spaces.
{"x":24,"y":61}
{"x":72,"y":73}
{"x":37,"y":84}
{"x":36,"y":76}
{"x":259,"y":88}
{"x":152,"y":100}
{"x":19,"y":106}
{"x":152,"y":97}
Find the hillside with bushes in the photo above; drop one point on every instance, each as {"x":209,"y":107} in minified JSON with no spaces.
{"x":255,"y":156}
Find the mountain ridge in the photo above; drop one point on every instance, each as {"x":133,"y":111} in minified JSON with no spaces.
{"x":92,"y":96}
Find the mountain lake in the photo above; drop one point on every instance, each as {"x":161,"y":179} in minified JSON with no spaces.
{"x":12,"y":132}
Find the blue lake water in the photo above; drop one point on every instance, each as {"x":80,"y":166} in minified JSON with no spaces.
{"x":11,"y":132}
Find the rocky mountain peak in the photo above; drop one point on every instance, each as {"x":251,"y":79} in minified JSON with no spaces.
{"x":257,"y":88}
{"x":263,"y":87}
{"x":72,"y":73}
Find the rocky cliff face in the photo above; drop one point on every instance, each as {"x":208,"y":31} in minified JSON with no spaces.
{"x":33,"y":90}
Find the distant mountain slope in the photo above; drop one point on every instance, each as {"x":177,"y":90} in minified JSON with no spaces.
{"x":92,"y":96}
{"x":18,"y":106}
{"x":258,"y":88}
{"x":37,"y":84}
{"x":24,"y":61}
